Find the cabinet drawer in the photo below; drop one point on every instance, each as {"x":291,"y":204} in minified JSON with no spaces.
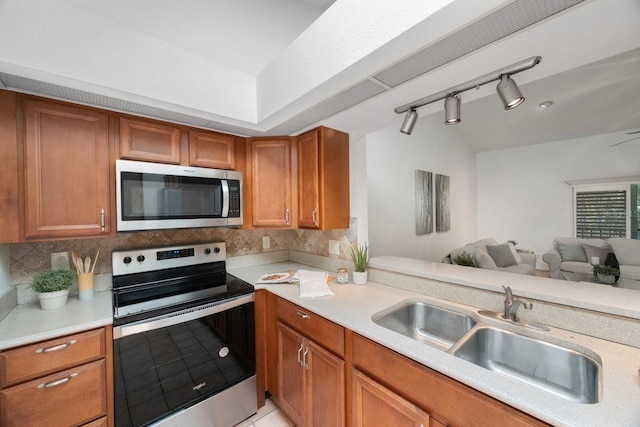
{"x":68,"y":398}
{"x":314,"y":327}
{"x":100,"y":422}
{"x":32,"y":361}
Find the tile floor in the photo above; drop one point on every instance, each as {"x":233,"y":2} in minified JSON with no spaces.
{"x":268,"y":416}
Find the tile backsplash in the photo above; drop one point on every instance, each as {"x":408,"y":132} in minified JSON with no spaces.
{"x":27,"y":259}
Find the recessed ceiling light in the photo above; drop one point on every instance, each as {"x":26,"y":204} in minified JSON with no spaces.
{"x":545,"y":104}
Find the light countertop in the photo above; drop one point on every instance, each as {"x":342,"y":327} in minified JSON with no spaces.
{"x":27,"y":323}
{"x":353,"y":305}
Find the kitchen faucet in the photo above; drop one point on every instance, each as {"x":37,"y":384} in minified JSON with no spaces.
{"x":512,"y":304}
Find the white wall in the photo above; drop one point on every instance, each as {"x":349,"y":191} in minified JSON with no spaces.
{"x":522,"y":194}
{"x":392,"y":159}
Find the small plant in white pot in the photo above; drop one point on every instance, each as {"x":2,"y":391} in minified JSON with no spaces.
{"x":360,"y":258}
{"x":606,"y":274}
{"x":52,"y":288}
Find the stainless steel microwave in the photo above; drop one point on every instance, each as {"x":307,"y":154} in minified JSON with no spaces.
{"x":152,"y":196}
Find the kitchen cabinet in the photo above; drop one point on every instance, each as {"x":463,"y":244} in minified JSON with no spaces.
{"x":447,"y":401}
{"x":212,"y":150}
{"x":68,"y":179}
{"x":374,"y":404}
{"x":323,"y":179}
{"x":310,"y":377}
{"x":150,"y":141}
{"x":63,"y":381}
{"x":271,"y":183}
{"x":9,"y":172}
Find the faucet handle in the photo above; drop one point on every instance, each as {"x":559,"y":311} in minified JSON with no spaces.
{"x":507,"y":290}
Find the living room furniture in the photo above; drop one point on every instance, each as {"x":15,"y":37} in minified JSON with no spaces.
{"x":490,"y":255}
{"x":572,"y":258}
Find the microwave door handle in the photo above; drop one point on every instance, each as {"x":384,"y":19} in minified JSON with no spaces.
{"x":225,"y":198}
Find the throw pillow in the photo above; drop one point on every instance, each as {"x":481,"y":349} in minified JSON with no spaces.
{"x":484,"y":260}
{"x":571,"y":251}
{"x":600,"y":252}
{"x":502,"y":255}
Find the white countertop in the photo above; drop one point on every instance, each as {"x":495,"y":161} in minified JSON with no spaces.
{"x":27,"y":323}
{"x":352,"y":307}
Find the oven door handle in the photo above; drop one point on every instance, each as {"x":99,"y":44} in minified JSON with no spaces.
{"x":179,"y":317}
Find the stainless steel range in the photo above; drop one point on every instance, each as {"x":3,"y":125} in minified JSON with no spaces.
{"x":184,"y":338}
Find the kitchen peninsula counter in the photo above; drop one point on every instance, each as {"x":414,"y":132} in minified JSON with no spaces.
{"x":353,"y":305}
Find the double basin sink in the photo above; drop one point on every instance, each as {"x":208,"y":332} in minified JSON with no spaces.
{"x":566,"y":373}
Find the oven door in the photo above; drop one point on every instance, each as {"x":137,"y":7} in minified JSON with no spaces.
{"x":175,"y":362}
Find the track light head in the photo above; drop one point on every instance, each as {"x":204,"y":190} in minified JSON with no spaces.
{"x":509,"y":93}
{"x":452,"y":109}
{"x":409,"y":121}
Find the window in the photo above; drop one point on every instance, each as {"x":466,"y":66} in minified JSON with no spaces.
{"x":603,"y":211}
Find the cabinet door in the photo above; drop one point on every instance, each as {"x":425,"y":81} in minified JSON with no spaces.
{"x":308,"y":185}
{"x":290,"y":373}
{"x":212,"y":150}
{"x":67,"y":178}
{"x":149,"y":141}
{"x":374,"y":404}
{"x":271,"y":182}
{"x":325,"y":387}
{"x":9,"y":220}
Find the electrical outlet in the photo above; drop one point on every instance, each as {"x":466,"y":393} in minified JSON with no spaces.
{"x":334,"y":247}
{"x":60,"y":260}
{"x":266,"y":242}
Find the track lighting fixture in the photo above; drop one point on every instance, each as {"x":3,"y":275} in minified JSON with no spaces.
{"x":452,"y":110}
{"x":507,"y":89}
{"x":409,"y":122}
{"x":509,"y":93}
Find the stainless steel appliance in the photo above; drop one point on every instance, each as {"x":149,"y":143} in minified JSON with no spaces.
{"x":153,"y":196}
{"x":184,"y":338}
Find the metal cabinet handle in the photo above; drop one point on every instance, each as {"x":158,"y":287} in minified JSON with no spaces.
{"x":304,"y":359}
{"x":302,"y":314}
{"x":102,"y":219}
{"x":313,"y":217}
{"x":299,"y":351}
{"x":55,"y":347}
{"x":286,"y":216}
{"x":57,"y":382}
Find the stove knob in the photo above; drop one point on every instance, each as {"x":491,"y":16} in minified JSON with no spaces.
{"x":140,"y":258}
{"x":207,"y":251}
{"x":216,"y":250}
{"x":127,"y":260}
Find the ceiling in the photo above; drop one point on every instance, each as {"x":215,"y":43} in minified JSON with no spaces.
{"x":260,"y":67}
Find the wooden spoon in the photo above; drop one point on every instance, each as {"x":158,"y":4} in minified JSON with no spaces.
{"x":87,"y":264}
{"x":95,"y":261}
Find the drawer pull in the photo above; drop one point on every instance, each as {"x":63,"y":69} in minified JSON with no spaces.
{"x":56,"y":347}
{"x":57,"y":382}
{"x":302,"y":314}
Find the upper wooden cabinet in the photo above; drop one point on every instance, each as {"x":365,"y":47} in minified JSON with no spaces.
{"x":323,"y":179}
{"x":67,"y":171}
{"x":212,"y":150}
{"x":149,"y":141}
{"x":9,"y":190}
{"x":271,"y":182}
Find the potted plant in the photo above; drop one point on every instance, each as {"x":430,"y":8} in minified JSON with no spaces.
{"x":360,"y":258}
{"x":52,"y":288}
{"x":606,"y":274}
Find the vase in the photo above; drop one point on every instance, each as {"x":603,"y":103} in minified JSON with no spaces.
{"x":53,"y":300}
{"x":606,"y":279}
{"x":359,"y":277}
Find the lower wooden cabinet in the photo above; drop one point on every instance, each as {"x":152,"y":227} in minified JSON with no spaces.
{"x":311,"y":381}
{"x":374,"y":404}
{"x":65,"y":381}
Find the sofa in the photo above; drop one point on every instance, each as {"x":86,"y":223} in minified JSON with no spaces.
{"x":488,"y":254}
{"x":574,"y":255}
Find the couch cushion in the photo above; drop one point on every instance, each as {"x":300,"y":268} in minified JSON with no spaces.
{"x":627,"y":250}
{"x":571,"y":251}
{"x":482,"y":259}
{"x":576,"y":267}
{"x":520,"y":269}
{"x":630,"y":272}
{"x":483,"y":243}
{"x":502,"y":255}
{"x":600,"y":252}
{"x":593,"y":241}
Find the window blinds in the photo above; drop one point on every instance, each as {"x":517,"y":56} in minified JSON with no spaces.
{"x":601,"y":213}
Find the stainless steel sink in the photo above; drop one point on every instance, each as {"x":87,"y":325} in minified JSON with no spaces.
{"x":567,"y":373}
{"x":427,"y":323}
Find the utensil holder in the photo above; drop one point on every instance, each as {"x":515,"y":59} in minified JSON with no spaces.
{"x":85,"y":286}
